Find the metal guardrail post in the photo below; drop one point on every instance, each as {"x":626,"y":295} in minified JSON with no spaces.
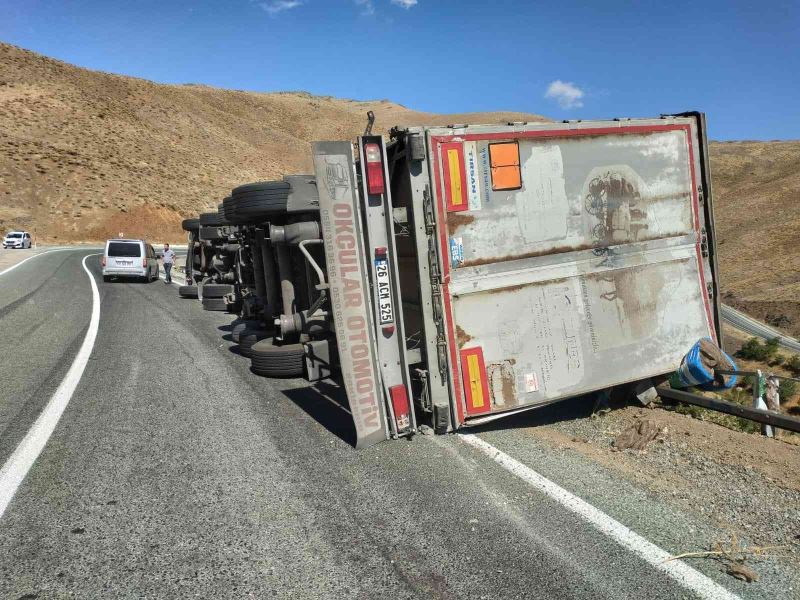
{"x":758,"y":402}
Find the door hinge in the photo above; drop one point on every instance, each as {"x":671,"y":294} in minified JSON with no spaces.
{"x":704,"y":242}
{"x":427,"y":207}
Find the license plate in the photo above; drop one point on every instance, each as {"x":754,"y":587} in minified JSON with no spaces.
{"x":384,"y":291}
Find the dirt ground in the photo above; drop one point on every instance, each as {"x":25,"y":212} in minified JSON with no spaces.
{"x":747,"y":484}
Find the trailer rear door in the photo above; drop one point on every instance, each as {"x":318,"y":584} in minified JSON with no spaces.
{"x":574,"y":257}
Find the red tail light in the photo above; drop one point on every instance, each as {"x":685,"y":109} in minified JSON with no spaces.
{"x":402,"y":410}
{"x":144,"y":262}
{"x":103,"y":262}
{"x":372,"y":155}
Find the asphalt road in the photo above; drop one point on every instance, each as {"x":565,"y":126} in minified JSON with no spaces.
{"x":175,"y":472}
{"x":750,"y":325}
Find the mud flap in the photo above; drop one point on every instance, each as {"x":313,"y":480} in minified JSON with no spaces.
{"x":340,"y":216}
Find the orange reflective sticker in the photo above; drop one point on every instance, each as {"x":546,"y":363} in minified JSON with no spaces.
{"x":504,"y":161}
{"x":506,"y":178}
{"x":454,"y":164}
{"x":455,"y":179}
{"x":476,"y":385}
{"x":474,"y":377}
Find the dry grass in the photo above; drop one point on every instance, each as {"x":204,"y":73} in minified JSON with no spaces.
{"x":84,"y":155}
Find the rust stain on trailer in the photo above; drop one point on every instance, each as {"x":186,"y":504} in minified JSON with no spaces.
{"x":456,"y":220}
{"x":636,"y":292}
{"x":462,"y":337}
{"x":502,"y":383}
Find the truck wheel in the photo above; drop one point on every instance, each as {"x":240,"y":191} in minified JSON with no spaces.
{"x":253,"y":201}
{"x":272,"y":360}
{"x":240,"y":325}
{"x":216,"y":290}
{"x":106,"y":278}
{"x":187,"y":291}
{"x":215,"y":304}
{"x":248,"y":337}
{"x":262,"y":187}
{"x":190,"y":224}
{"x":212,"y":219}
{"x":210,"y":233}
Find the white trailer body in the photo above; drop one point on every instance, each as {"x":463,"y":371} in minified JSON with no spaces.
{"x":508,"y":267}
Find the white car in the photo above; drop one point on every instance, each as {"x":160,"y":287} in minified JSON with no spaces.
{"x":17,"y":239}
{"x":129,"y":258}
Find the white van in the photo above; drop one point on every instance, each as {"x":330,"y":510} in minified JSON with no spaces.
{"x":129,"y":258}
{"x":17,"y":239}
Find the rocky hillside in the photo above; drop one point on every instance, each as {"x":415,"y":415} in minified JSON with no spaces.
{"x":757,"y":195}
{"x":85,"y":155}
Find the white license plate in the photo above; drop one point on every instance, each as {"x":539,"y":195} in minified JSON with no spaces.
{"x":384,"y":291}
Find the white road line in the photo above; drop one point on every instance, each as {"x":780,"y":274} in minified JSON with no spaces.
{"x":19,"y":463}
{"x":678,"y":570}
{"x":22,"y":262}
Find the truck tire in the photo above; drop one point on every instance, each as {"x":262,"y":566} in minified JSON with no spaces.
{"x":211,"y":233}
{"x":212,"y":219}
{"x":263,"y":187}
{"x":253,"y":202}
{"x":272,"y":360}
{"x":187,"y":291}
{"x":248,"y":337}
{"x":215,"y":304}
{"x":216,"y":290}
{"x":224,"y":208}
{"x":240,"y":325}
{"x":190,"y":224}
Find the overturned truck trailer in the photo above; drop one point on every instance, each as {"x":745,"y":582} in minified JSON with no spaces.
{"x":476,"y":271}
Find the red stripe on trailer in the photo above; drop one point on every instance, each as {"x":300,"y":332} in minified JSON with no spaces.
{"x":448,"y":309}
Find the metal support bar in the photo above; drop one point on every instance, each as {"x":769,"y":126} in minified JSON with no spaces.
{"x":258,"y":272}
{"x":731,"y":408}
{"x":285,"y":273}
{"x":754,"y":373}
{"x":270,"y":278}
{"x":302,"y":245}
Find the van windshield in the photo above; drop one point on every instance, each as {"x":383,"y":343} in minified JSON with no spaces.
{"x":124,"y":249}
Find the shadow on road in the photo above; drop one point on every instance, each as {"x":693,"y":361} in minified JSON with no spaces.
{"x":579,"y":407}
{"x":326,"y":403}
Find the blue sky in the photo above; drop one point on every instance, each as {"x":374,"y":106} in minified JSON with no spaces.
{"x":737,"y":61}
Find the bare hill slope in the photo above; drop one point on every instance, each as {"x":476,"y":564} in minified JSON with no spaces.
{"x":84,"y":154}
{"x":757,"y":192}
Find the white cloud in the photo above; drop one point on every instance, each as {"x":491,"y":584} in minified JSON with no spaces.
{"x":405,"y":3}
{"x":273,"y":7}
{"x":367,"y":7}
{"x":567,"y":94}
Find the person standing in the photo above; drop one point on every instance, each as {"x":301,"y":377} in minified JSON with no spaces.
{"x":169,"y":260}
